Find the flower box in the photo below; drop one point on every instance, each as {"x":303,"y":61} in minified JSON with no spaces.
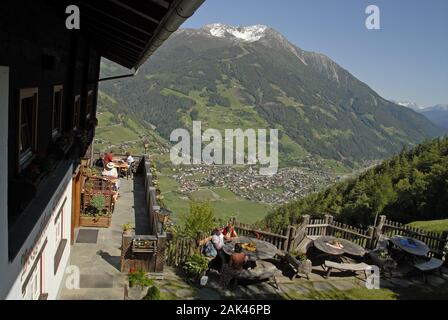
{"x":95,"y":222}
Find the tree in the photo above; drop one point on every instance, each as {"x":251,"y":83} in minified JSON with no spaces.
{"x":201,"y":218}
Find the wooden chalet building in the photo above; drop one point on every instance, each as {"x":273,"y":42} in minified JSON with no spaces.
{"x":49,"y":78}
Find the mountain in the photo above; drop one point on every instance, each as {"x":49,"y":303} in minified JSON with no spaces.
{"x":408,"y":104}
{"x":438,"y":114}
{"x":253,"y":77}
{"x":412,"y":186}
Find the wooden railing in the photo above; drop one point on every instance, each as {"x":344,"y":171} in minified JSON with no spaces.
{"x":330,"y":227}
{"x":179,"y":249}
{"x":150,"y":195}
{"x":281,"y":241}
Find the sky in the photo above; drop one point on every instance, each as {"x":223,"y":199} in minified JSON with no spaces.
{"x":406,"y":60}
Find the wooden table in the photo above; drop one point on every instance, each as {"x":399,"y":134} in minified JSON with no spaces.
{"x":264,"y":250}
{"x":410,"y":245}
{"x":347,"y":247}
{"x":121,"y":166}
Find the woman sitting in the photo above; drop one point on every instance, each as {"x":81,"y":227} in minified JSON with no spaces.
{"x":229,"y":231}
{"x":111,"y":173}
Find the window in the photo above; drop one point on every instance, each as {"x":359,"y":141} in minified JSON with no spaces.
{"x":60,"y":241}
{"x":56,"y":121}
{"x":33,"y":286}
{"x":89,"y":109}
{"x":59,"y":229}
{"x":77,"y":112}
{"x":27,"y":126}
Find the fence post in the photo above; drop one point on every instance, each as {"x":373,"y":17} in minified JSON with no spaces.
{"x":378,"y":231}
{"x":443,"y":244}
{"x":290,"y":233}
{"x":160,"y":256}
{"x":370,"y":234}
{"x":328,"y":221}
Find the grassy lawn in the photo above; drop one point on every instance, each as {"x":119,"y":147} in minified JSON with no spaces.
{"x":433,"y":225}
{"x":116,"y":134}
{"x":225,"y":203}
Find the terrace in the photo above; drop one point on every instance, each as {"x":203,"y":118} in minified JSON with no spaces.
{"x":104,"y":257}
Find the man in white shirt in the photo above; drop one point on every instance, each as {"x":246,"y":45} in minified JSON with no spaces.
{"x":218,"y":243}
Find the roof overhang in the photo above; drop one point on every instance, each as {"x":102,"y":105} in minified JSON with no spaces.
{"x":128,"y":32}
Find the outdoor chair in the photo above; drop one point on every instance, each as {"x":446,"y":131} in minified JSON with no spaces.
{"x":297,"y":266}
{"x":427,"y":266}
{"x":331,"y":265}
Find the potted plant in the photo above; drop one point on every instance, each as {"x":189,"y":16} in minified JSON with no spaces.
{"x":128,"y":228}
{"x":95,"y":214}
{"x":305,"y":265}
{"x":195,"y":267}
{"x":139,"y":282}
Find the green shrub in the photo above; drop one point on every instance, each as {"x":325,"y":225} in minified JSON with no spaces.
{"x":195,"y":265}
{"x":98,"y":202}
{"x":153,"y":294}
{"x":201,"y":218}
{"x":140,"y":279}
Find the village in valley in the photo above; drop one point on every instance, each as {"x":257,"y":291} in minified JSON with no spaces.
{"x":287,"y":184}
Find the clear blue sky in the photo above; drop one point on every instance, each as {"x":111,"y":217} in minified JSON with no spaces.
{"x":406,"y":60}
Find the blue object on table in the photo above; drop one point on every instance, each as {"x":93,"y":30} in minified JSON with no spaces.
{"x":408,"y":243}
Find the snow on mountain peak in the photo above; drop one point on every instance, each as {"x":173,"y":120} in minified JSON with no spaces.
{"x":247,"y":34}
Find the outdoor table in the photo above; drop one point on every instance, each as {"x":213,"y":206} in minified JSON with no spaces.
{"x":352,"y":249}
{"x":324,"y":244}
{"x":410,"y":245}
{"x":264,"y":250}
{"x":121,"y":165}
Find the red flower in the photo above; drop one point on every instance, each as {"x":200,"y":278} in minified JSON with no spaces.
{"x":132,"y":270}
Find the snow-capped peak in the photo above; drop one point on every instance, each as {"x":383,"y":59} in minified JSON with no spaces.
{"x":248,"y":34}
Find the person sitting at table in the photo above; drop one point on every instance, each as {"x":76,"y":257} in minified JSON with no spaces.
{"x":229,"y":231}
{"x":130,"y":161}
{"x":237,"y":262}
{"x":111,"y":172}
{"x":218,"y":243}
{"x":238,"y":259}
{"x":108,"y":157}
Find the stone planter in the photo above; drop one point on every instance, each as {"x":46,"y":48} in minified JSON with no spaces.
{"x":95,"y":222}
{"x":137,"y":293}
{"x":305,"y":267}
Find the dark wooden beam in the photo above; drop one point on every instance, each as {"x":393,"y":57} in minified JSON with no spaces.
{"x":120,"y":16}
{"x":147,"y":9}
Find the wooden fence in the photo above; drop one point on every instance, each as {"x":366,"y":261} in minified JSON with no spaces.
{"x":291,"y":237}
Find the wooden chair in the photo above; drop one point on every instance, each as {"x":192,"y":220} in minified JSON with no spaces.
{"x":433,"y":264}
{"x":297,"y":266}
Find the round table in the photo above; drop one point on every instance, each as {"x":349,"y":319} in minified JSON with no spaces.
{"x":410,"y":245}
{"x":324,"y":244}
{"x":264,"y":250}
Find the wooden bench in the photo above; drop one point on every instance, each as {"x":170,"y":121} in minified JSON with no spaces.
{"x":432,"y":264}
{"x":330,"y":266}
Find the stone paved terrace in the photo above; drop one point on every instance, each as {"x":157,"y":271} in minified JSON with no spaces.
{"x":99,"y":262}
{"x":101,"y":279}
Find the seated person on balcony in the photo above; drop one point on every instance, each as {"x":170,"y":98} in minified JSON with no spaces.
{"x":237,"y":262}
{"x":108,"y":157}
{"x":218,"y":243}
{"x":111,"y":172}
{"x":238,"y":259}
{"x":229,"y":231}
{"x":130,"y":161}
